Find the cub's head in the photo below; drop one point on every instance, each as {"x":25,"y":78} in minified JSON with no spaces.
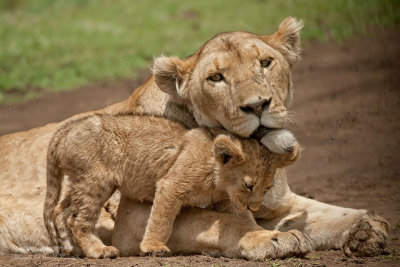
{"x":245,"y":169}
{"x":236,"y":80}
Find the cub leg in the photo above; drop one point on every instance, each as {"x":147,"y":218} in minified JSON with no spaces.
{"x":86,"y":204}
{"x":166,"y":206}
{"x":64,"y":238}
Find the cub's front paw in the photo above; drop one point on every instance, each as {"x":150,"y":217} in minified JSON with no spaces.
{"x":160,"y":250}
{"x":368,"y":237}
{"x":103,"y":252}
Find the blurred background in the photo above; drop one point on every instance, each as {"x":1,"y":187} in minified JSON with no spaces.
{"x":56,"y":45}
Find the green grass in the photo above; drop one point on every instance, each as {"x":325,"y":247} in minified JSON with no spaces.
{"x":54,"y":45}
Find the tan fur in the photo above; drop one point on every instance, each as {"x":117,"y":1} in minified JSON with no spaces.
{"x":23,"y":162}
{"x":150,"y":159}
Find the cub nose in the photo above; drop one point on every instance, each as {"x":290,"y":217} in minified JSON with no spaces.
{"x":256,"y":107}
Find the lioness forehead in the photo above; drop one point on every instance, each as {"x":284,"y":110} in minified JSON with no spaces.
{"x":238,"y":43}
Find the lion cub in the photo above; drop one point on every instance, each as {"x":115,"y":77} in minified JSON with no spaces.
{"x":149,"y":159}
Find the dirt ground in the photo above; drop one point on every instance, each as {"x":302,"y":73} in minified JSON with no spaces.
{"x":347,"y":113}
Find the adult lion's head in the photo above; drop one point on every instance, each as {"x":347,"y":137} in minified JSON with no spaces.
{"x":237,"y":80}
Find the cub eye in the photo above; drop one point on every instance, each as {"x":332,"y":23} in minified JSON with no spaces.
{"x":216,"y":77}
{"x":265,"y":63}
{"x":248,"y":187}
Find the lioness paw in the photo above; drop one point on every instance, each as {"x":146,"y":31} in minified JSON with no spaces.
{"x":368,"y":237}
{"x":154,"y":250}
{"x":279,"y":141}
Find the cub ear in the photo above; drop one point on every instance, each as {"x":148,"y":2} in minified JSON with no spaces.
{"x":225,"y":150}
{"x":287,"y":39}
{"x":169,"y":75}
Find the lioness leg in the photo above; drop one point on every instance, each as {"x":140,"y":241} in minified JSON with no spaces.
{"x":86,"y":204}
{"x":357,"y":232}
{"x":214,"y":233}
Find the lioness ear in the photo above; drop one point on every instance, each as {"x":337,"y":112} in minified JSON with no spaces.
{"x":225,"y":150}
{"x":287,"y":39}
{"x":169,"y":75}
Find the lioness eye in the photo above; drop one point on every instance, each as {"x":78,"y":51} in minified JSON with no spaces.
{"x":216,"y":77}
{"x":248,"y":187}
{"x":265,"y":63}
{"x":268,"y":188}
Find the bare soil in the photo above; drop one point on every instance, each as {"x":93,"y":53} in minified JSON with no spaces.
{"x":347,"y":111}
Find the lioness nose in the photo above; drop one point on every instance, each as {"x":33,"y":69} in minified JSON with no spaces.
{"x":256,"y":107}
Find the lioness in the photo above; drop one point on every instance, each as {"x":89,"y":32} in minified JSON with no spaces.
{"x":151,"y":159}
{"x":239,"y":57}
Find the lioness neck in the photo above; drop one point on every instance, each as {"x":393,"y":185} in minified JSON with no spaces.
{"x":149,"y":99}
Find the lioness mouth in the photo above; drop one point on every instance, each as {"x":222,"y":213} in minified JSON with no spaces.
{"x":260,"y":132}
